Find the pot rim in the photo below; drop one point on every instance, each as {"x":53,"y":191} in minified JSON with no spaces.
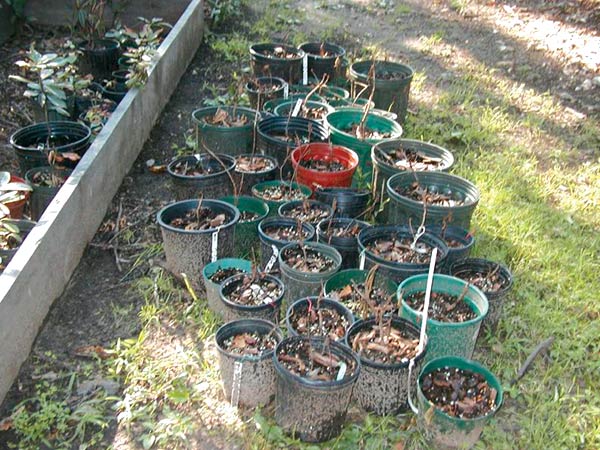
{"x":194,"y":202}
{"x":198,"y":157}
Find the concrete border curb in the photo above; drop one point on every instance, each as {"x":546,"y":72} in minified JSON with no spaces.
{"x":42,"y":267}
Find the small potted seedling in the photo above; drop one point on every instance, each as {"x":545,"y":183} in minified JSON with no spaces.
{"x":318,"y":316}
{"x":310,"y":211}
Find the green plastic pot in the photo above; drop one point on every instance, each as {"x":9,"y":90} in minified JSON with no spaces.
{"x":441,"y":430}
{"x":274,"y":205}
{"x":390,"y":95}
{"x":349,"y":276}
{"x":213,"y":289}
{"x":284,"y":209}
{"x":401,"y":209}
{"x":228,"y":140}
{"x":246,"y":233}
{"x":338,"y":121}
{"x":304,"y":284}
{"x":286,"y":108}
{"x":325,"y":94}
{"x":270,"y":105}
{"x":446,"y":339}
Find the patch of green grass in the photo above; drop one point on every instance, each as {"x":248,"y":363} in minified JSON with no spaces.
{"x":232,"y":48}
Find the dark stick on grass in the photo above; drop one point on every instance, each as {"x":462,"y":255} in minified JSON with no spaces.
{"x":541,"y":348}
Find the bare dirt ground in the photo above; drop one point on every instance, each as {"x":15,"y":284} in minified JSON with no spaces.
{"x":547,"y":46}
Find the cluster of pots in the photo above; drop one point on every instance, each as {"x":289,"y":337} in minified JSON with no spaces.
{"x":301,"y":220}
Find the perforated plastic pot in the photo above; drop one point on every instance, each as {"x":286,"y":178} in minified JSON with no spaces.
{"x":213,"y":289}
{"x":271,"y":247}
{"x":347,"y":246}
{"x":284,"y":210}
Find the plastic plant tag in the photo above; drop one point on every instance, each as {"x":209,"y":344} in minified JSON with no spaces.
{"x":236,"y":383}
{"x":214,"y":246}
{"x":305,"y":70}
{"x":273,"y":259}
{"x":286,"y":91}
{"x":361,"y":264}
{"x":297,"y":107}
{"x":342,"y":371}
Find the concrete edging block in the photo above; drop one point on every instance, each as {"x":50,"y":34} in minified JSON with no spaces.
{"x":42,"y":267}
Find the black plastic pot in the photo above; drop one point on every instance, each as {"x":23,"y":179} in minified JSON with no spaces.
{"x":496,"y":299}
{"x":255,"y":383}
{"x":347,"y":246}
{"x":25,"y":142}
{"x":258,"y":98}
{"x":270,"y":247}
{"x":349,"y":202}
{"x":301,"y":284}
{"x":115,"y":93}
{"x":41,"y":196}
{"x":285,"y":109}
{"x":120,"y":75}
{"x":316,"y":303}
{"x":313,"y":411}
{"x":233,"y":140}
{"x":245,"y":180}
{"x":214,"y":185}
{"x":284,"y":209}
{"x":459,"y":242}
{"x":188,"y":251}
{"x":234,"y":311}
{"x":247,"y":243}
{"x":290,"y":69}
{"x":298,"y":130}
{"x":398,"y":271}
{"x":24,"y":226}
{"x":383,"y":388}
{"x":101,"y":59}
{"x":319,"y":66}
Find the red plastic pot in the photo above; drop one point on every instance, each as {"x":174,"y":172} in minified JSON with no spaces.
{"x":16,"y":208}
{"x":324,"y":152}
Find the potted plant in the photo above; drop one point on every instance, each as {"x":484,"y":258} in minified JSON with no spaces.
{"x":246,"y":350}
{"x":14,"y":193}
{"x":252,"y":212}
{"x":346,"y":202}
{"x":324,"y":59}
{"x":277,"y":60}
{"x":342,"y":234}
{"x":275,"y":233}
{"x":315,"y":378}
{"x":311,"y":211}
{"x":251,"y":169}
{"x":458,"y":240}
{"x":263,"y":89}
{"x":251,"y":295}
{"x":275,"y":193}
{"x":45,"y":182}
{"x":202,"y":174}
{"x":12,"y":233}
{"x":318,"y":316}
{"x":307,"y":109}
{"x":213,"y":275}
{"x":196,"y":232}
{"x":98,"y":114}
{"x":324,"y":165}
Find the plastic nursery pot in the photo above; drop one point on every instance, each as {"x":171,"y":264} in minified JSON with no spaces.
{"x":265,"y":62}
{"x":324,"y":152}
{"x":263,"y":89}
{"x":255,"y":383}
{"x":270,"y":105}
{"x":323,"y":59}
{"x":316,"y":303}
{"x":229,"y":140}
{"x":340,"y":123}
{"x":245,"y":179}
{"x":234,"y":311}
{"x":378,"y":112}
{"x":382,"y":388}
{"x":469,"y":267}
{"x":99,"y":59}
{"x":392,"y":85}
{"x":24,"y":226}
{"x":270,"y":247}
{"x":346,"y":245}
{"x":278,"y":136}
{"x":213,"y":289}
{"x":349,"y":202}
{"x":120,"y":75}
{"x":356,"y":276}
{"x":16,"y":206}
{"x":313,"y":410}
{"x":258,"y":191}
{"x":286,"y":109}
{"x":246,"y":231}
{"x":399,"y":271}
{"x":324,"y":94}
{"x":188,"y":251}
{"x":42,"y":195}
{"x":214,"y":184}
{"x":459,"y":242}
{"x":285,"y":210}
{"x":65,"y":137}
{"x":402,"y":209}
{"x":441,"y":429}
{"x":383,"y":168}
{"x":301,"y":284}
{"x":446,"y":338}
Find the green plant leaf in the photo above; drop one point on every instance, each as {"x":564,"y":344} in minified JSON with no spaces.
{"x":19,"y":78}
{"x":15,"y":186}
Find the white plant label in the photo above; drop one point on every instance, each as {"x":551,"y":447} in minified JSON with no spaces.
{"x":361,"y":264}
{"x":305,"y":70}
{"x":297,"y":107}
{"x":342,"y":371}
{"x":286,"y":91}
{"x":214,"y":246}
{"x":236,"y":383}
{"x":273,"y":259}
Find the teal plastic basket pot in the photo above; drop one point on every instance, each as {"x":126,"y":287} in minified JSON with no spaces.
{"x":212,"y":288}
{"x":246,"y":239}
{"x":259,"y":189}
{"x":441,"y":429}
{"x":392,"y":85}
{"x":446,"y":338}
{"x":402,"y":209}
{"x":341,"y":122}
{"x":233,"y":140}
